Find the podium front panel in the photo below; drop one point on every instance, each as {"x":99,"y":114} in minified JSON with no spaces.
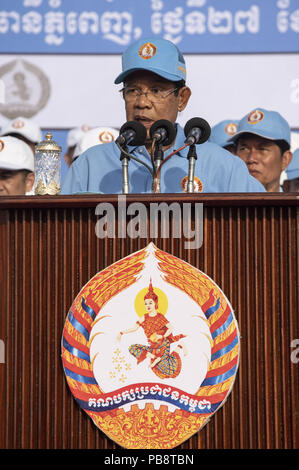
{"x":48,"y":252}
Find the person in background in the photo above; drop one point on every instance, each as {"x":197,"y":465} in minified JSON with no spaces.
{"x":73,"y":138}
{"x":263,"y":143}
{"x":294,"y":141}
{"x":16,"y":167}
{"x":24,"y":129}
{"x":154,"y":87}
{"x":291,"y":184}
{"x":222,"y":132}
{"x":96,"y":136}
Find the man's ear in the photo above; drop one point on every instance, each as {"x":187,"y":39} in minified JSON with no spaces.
{"x":184,"y":95}
{"x":286,"y":159}
{"x":29,"y":182}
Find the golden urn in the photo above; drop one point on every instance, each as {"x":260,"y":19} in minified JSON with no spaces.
{"x":47,"y":167}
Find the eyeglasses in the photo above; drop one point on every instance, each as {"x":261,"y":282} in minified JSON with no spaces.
{"x":154,"y":95}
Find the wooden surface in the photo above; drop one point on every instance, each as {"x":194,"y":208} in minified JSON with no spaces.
{"x":48,"y":251}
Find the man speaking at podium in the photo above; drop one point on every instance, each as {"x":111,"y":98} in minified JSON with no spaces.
{"x":154,"y":77}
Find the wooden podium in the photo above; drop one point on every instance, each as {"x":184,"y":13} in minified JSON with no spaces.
{"x":49,"y":250}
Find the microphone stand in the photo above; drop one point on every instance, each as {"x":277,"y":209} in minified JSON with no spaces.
{"x":192,"y":157}
{"x":124,"y":158}
{"x":158,"y":157}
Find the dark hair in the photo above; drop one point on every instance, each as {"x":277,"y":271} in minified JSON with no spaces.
{"x":283,"y":145}
{"x":180,"y":84}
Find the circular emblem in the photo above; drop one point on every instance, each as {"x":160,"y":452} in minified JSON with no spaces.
{"x":255,"y":116}
{"x":198,"y":186}
{"x":27,"y":89}
{"x":1,"y":145}
{"x":150,"y":349}
{"x":231,"y":128}
{"x":147,"y":50}
{"x":105,"y":137}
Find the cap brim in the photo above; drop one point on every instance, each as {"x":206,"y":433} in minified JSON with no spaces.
{"x":23,"y":134}
{"x":161,"y":73}
{"x":260,"y":134}
{"x":12,"y":167}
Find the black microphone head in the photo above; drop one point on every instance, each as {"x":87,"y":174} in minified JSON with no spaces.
{"x":168,"y":127}
{"x":138,"y":128}
{"x":202,"y":125}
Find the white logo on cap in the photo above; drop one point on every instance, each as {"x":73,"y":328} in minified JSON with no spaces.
{"x":147,"y":50}
{"x":255,"y":116}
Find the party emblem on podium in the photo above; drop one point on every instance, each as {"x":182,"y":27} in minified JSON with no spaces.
{"x":150,"y":350}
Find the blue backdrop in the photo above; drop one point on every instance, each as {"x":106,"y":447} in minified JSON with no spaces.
{"x":108,"y":26}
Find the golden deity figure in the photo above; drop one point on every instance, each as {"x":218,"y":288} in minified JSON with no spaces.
{"x":159,"y":334}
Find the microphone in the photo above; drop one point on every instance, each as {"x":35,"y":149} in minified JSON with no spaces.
{"x":132,"y":132}
{"x":197,"y":131}
{"x":163,"y":131}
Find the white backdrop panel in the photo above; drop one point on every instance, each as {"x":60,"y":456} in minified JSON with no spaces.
{"x":223,"y":86}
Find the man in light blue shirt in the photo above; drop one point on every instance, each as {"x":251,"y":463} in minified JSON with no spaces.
{"x":263,"y":142}
{"x":154,"y":74}
{"x":291,"y":184}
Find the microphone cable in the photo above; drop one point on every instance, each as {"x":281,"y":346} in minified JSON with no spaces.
{"x":152,"y":170}
{"x":136,"y":159}
{"x":165,"y":160}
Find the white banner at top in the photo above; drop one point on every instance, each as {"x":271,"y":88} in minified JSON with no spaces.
{"x":71,"y":90}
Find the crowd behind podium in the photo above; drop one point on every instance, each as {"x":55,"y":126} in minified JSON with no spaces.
{"x":19,"y":137}
{"x":262,"y":138}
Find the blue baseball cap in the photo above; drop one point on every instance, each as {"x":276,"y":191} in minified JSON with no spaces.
{"x":292,"y":170}
{"x":223,"y":131}
{"x":268,"y":124}
{"x":156,"y":55}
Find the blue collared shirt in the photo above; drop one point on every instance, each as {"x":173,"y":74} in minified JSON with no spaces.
{"x":99,"y":170}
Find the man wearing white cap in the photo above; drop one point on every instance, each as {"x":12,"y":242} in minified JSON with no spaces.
{"x":73,"y":138}
{"x":16,"y":167}
{"x":96,"y":136}
{"x":24,"y":129}
{"x":154,"y":87}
